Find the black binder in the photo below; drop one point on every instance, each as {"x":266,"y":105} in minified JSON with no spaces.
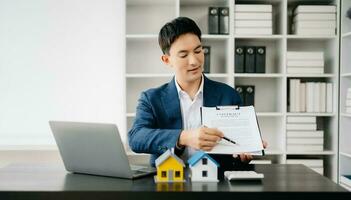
{"x":240,"y":90}
{"x":260,"y":60}
{"x":249,"y":95}
{"x":207,"y":52}
{"x":250,"y":60}
{"x":224,"y":20}
{"x":213,"y":20}
{"x":239,"y":59}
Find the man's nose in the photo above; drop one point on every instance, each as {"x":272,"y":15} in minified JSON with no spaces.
{"x":193,"y":60}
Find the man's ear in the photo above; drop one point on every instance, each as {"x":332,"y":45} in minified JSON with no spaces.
{"x":165,"y":59}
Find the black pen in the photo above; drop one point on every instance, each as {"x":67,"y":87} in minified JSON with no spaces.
{"x":229,"y":140}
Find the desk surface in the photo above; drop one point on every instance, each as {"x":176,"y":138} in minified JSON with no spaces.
{"x":51,"y":178}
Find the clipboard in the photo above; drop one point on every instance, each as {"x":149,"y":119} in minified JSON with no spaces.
{"x":236,"y":107}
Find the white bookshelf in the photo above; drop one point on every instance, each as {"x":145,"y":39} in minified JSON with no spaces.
{"x":345,"y":82}
{"x":145,"y":70}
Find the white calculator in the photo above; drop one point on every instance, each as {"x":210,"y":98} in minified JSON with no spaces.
{"x":243,"y":175}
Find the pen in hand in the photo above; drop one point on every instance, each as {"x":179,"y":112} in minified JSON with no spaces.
{"x":229,"y":140}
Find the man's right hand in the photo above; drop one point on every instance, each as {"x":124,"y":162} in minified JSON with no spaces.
{"x":202,"y":138}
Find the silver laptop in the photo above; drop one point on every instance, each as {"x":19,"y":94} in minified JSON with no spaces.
{"x":95,"y":148}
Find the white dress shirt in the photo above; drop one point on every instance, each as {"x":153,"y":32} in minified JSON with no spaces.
{"x":190,"y":110}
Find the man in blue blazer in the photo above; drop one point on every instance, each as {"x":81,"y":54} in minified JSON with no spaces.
{"x":169,"y":116}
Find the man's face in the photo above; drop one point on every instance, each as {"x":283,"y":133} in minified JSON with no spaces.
{"x":186,"y":57}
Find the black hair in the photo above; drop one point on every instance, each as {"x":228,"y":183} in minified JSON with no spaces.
{"x":175,"y":28}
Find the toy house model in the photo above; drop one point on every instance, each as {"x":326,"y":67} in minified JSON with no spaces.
{"x":170,"y":168}
{"x":203,"y":168}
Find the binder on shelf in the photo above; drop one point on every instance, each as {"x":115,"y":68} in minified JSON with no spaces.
{"x":224,"y":20}
{"x":260,"y":59}
{"x":249,"y":95}
{"x":213,"y":19}
{"x":240,"y":90}
{"x":207,"y":64}
{"x":250,"y":60}
{"x":239,"y":59}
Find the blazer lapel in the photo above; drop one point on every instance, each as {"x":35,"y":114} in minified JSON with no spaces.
{"x":211,"y":96}
{"x":171,"y":104}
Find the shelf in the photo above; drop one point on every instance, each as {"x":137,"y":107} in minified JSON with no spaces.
{"x":252,"y":75}
{"x":220,"y":37}
{"x":272,"y":37}
{"x":312,"y":37}
{"x":345,"y":154}
{"x":345,"y":114}
{"x":310,"y":153}
{"x":346,"y":75}
{"x":348,"y":34}
{"x":311,"y":75}
{"x":312,"y":114}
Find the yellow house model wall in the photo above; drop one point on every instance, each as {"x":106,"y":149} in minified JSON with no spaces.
{"x":168,"y":164}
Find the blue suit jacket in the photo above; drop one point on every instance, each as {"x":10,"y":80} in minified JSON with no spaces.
{"x":158,"y":121}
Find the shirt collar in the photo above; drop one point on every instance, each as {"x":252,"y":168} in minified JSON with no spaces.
{"x":180,"y":91}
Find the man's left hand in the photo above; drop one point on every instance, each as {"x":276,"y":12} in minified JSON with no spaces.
{"x":247,"y":157}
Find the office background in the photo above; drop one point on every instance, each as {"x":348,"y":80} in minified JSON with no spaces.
{"x":88,"y":60}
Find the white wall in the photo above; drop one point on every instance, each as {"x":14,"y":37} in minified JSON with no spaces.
{"x":59,"y":60}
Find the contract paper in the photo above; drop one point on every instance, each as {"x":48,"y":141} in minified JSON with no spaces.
{"x":237,"y":124}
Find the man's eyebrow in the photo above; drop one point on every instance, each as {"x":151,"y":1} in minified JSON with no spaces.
{"x":185,"y":51}
{"x":182,"y":51}
{"x":198,"y":46}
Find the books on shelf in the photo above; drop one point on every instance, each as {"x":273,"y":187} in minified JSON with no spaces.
{"x":253,"y":8}
{"x":250,"y":16}
{"x":310,"y":96}
{"x":305,"y":62}
{"x":253,"y":19}
{"x":304,"y":119}
{"x":315,"y":9}
{"x":315,"y":17}
{"x":305,"y":55}
{"x":302,"y":134}
{"x":314,"y":20}
{"x":305,"y":134}
{"x":301,"y":126}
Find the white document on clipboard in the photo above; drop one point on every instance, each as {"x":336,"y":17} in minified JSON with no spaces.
{"x":238,"y":124}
